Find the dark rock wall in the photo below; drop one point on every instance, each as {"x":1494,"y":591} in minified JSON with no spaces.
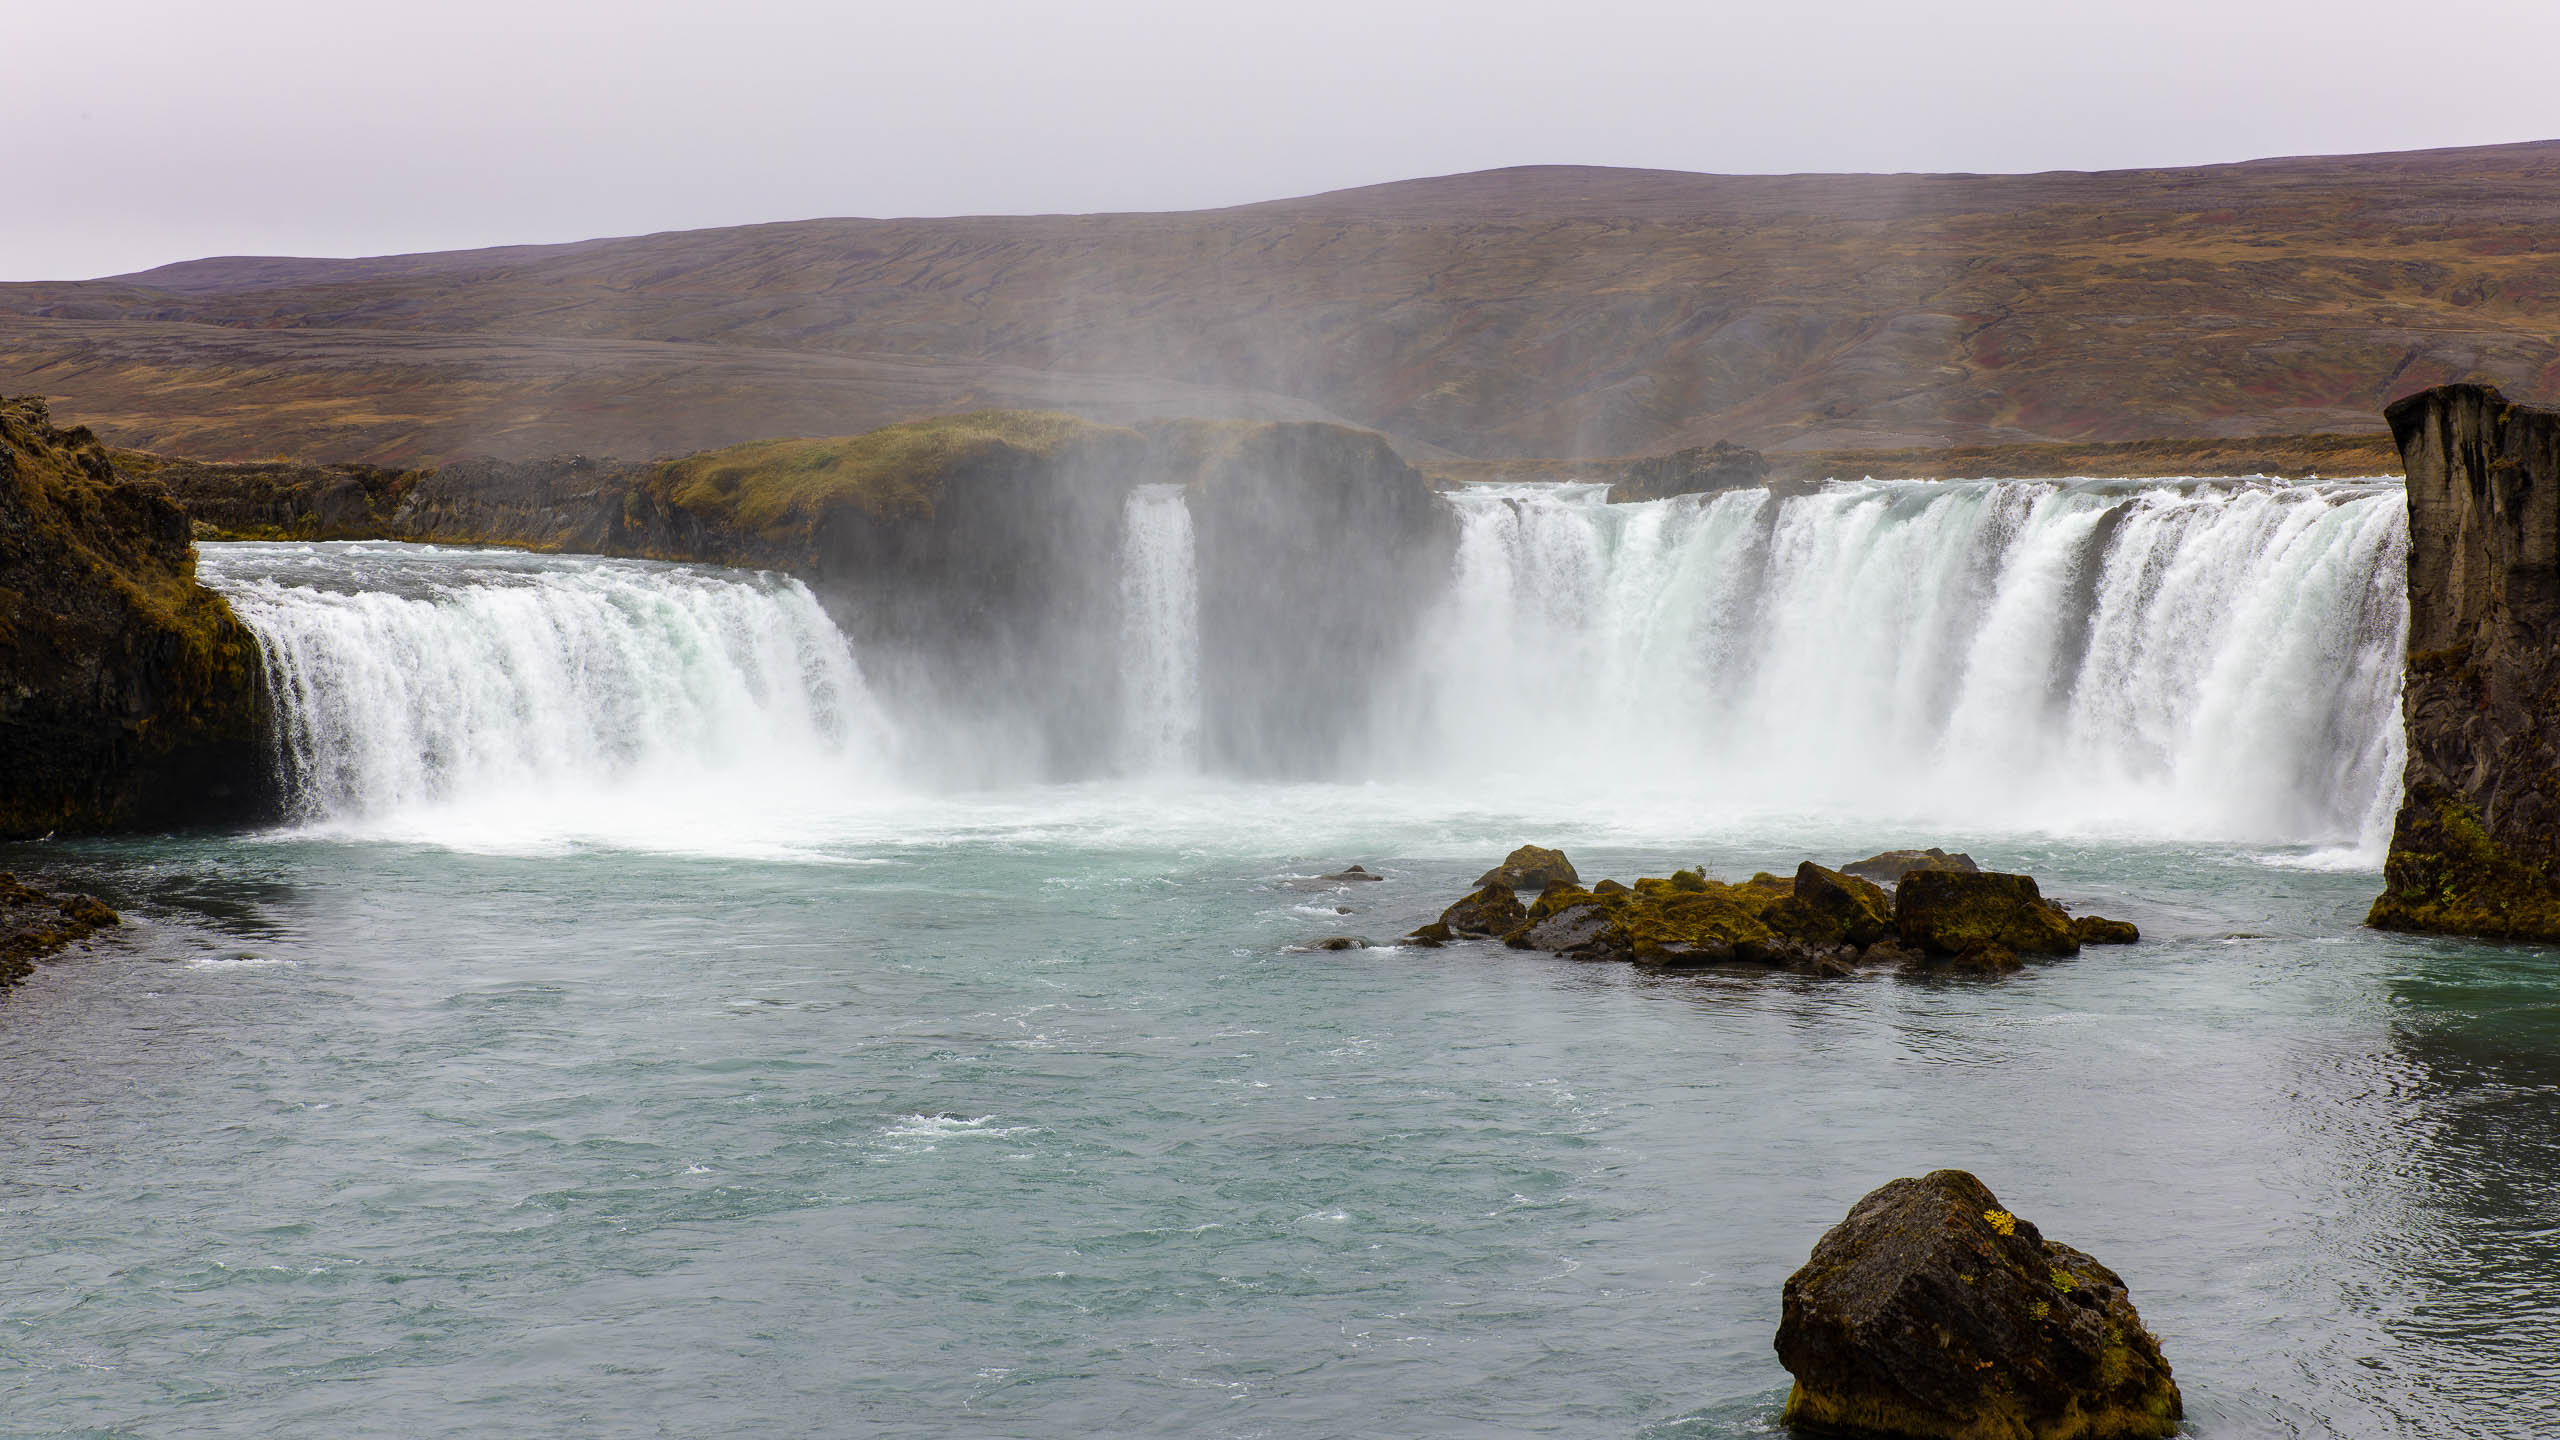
{"x":1318,"y":549}
{"x":2476,"y":847}
{"x":130,"y":696}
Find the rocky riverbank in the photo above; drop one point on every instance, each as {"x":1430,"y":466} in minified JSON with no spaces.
{"x":2475,"y":849}
{"x":35,"y":924}
{"x":130,"y":696}
{"x":1942,"y":911}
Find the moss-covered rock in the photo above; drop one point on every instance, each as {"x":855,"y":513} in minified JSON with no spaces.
{"x":1531,"y":868}
{"x":1860,"y":908}
{"x":1933,"y":1313}
{"x":34,"y":924}
{"x":1492,"y":912}
{"x":1979,"y":914}
{"x":2099,"y":930}
{"x":1889,"y":867}
{"x":130,"y":695}
{"x":1820,"y":921}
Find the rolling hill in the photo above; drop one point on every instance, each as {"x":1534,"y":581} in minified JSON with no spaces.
{"x":1544,"y":311}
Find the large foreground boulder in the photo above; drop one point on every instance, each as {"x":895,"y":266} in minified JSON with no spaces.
{"x":1933,"y":1313}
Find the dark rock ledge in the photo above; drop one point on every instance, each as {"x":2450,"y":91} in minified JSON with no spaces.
{"x":2475,"y":849}
{"x":1942,"y":911}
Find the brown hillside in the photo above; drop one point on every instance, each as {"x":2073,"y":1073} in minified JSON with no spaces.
{"x":1555,"y":311}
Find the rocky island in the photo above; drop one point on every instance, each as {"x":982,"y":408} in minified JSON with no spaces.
{"x":1943,"y":910}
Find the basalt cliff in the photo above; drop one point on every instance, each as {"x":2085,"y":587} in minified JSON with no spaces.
{"x":130,"y":696}
{"x":2476,"y":847}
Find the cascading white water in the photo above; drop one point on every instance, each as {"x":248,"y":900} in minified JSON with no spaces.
{"x":1160,"y":634}
{"x":537,"y":692}
{"x":2211,"y":660}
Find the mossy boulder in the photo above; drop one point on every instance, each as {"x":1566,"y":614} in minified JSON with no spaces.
{"x":1889,"y":867}
{"x":2099,"y":930}
{"x":1491,"y":912}
{"x":1860,"y":908}
{"x":1531,"y":868}
{"x":1933,"y":1313}
{"x":34,"y":924}
{"x":1976,"y":915}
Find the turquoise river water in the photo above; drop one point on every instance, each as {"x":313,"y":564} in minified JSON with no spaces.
{"x":693,"y":1084}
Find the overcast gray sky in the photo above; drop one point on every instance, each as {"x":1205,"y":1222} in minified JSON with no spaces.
{"x":157,"y":130}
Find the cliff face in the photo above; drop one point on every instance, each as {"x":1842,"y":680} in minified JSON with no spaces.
{"x":1318,"y":549}
{"x":2476,"y":847}
{"x":129,"y":694}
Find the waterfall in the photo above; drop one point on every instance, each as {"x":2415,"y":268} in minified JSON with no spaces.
{"x":1160,"y":634}
{"x":2206,"y":660}
{"x":520,"y":686}
{"x":2215,"y":660}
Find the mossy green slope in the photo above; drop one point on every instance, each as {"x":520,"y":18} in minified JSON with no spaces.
{"x":782,"y":489}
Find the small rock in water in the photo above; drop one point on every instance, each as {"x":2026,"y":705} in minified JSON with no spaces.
{"x":1889,"y":867}
{"x":1532,"y":868}
{"x":1933,"y":1313}
{"x":2098,"y":930}
{"x":1340,"y":942}
{"x":1352,"y":876}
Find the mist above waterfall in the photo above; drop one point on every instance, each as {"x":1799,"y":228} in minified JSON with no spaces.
{"x":2197,"y":660}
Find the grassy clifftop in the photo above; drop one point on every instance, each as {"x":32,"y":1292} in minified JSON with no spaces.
{"x":778,"y":488}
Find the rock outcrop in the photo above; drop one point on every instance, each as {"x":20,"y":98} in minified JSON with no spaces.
{"x":1824,"y":921}
{"x":2475,"y":849}
{"x":1981,"y":920}
{"x":1698,"y":470}
{"x":1933,"y":1313}
{"x":34,"y":924}
{"x":129,"y":694}
{"x":1532,"y":868}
